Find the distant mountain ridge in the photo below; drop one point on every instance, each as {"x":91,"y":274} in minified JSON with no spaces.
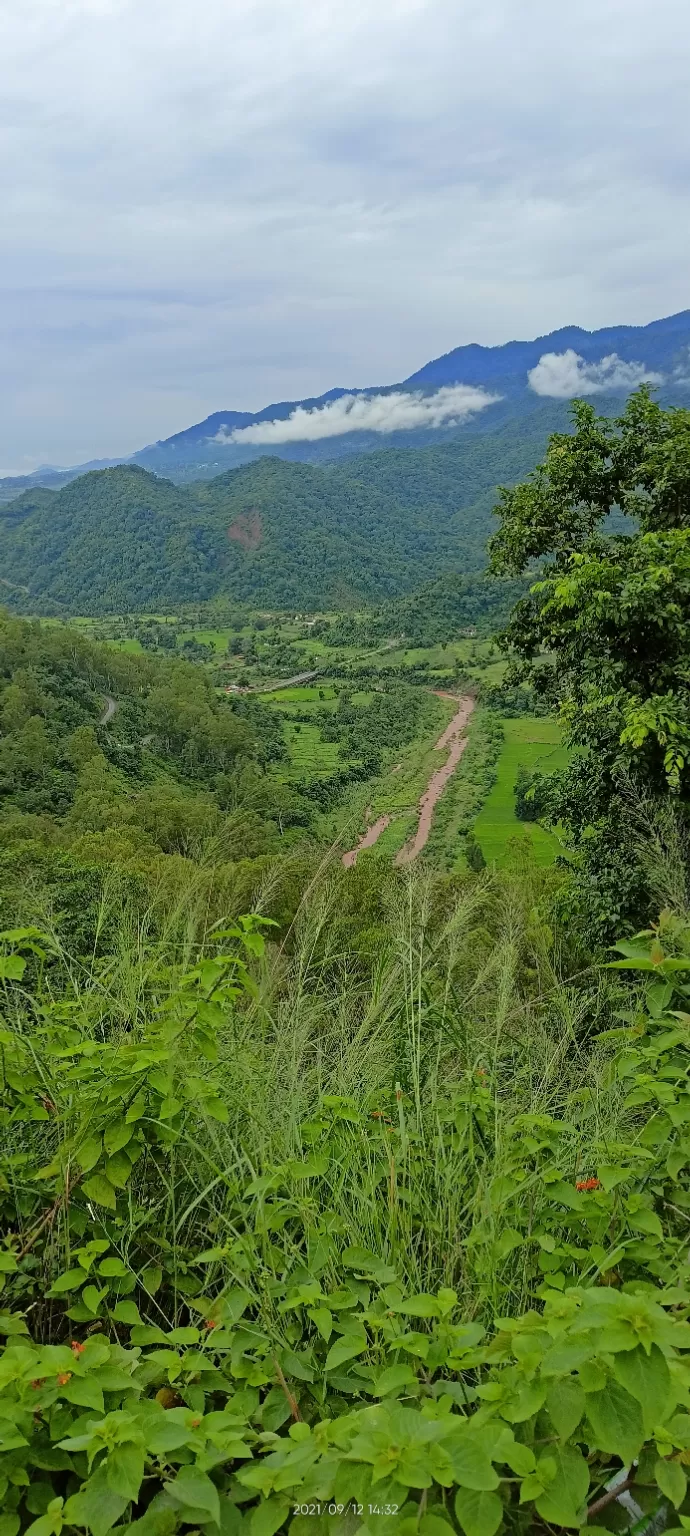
{"x":205,"y":449}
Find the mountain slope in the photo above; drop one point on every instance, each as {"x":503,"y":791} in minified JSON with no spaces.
{"x":204,"y":450}
{"x":272,"y":533}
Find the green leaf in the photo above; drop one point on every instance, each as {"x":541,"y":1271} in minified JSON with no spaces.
{"x":126,"y":1312}
{"x":433,"y":1525}
{"x":152,"y":1278}
{"x":96,"y":1505}
{"x":471,"y":1463}
{"x":422,"y":1305}
{"x":648,"y":1379}
{"x":217,"y":1110}
{"x":616,"y":1419}
{"x":268,"y":1516}
{"x":194,"y":1490}
{"x":88,"y":1153}
{"x":125,"y":1470}
{"x":92,"y":1297}
{"x":12,"y":967}
{"x":671,"y":1480}
{"x":111,"y":1267}
{"x":117,"y":1136}
{"x":565,"y":1403}
{"x":118,"y":1169}
{"x":70,"y":1281}
{"x":322,"y":1319}
{"x":479,"y":1514}
{"x":345,"y":1348}
{"x":393,"y":1380}
{"x":8,"y":1262}
{"x":561,"y":1503}
{"x":9,"y":1525}
{"x":101,"y":1191}
{"x":84,"y":1392}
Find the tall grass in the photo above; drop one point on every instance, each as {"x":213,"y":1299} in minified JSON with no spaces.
{"x":408,"y":1072}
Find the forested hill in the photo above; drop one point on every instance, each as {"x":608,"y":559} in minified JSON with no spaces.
{"x":271,"y":533}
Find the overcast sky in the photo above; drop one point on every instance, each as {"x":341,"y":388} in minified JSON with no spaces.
{"x":223,"y":203}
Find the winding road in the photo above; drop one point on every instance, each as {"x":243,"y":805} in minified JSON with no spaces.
{"x":110,"y":708}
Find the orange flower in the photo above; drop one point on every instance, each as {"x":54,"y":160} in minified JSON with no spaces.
{"x":588,"y":1184}
{"x":38,"y":1383}
{"x":194,"y":1423}
{"x":63,"y":1378}
{"x":76,"y":1347}
{"x":377,"y":1114}
{"x":211,"y":1322}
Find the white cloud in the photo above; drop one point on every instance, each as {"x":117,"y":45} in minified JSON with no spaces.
{"x":563,"y":375}
{"x":396,"y":412}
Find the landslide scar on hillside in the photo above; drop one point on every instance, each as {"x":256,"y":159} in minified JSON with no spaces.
{"x":246,"y":529}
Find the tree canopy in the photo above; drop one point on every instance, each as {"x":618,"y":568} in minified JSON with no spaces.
{"x":605,"y":628}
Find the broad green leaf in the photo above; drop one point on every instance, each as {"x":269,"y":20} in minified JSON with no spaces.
{"x":616,"y":1419}
{"x":8,"y":1262}
{"x":671,"y":1480}
{"x":565,"y":1404}
{"x":9,"y":1525}
{"x":471,"y":1463}
{"x":648,"y":1379}
{"x":433,"y":1525}
{"x":393,"y":1380}
{"x":322,"y":1319}
{"x":111,"y":1267}
{"x":126,"y":1312}
{"x":268,"y":1516}
{"x":152,"y":1278}
{"x":194,"y":1490}
{"x":562,"y":1501}
{"x":92,"y":1297}
{"x":12,"y":967}
{"x":84,"y":1392}
{"x":101,"y":1191}
{"x":479,"y":1514}
{"x":422,"y":1305}
{"x":217,"y":1110}
{"x":96,"y":1505}
{"x":70,"y":1281}
{"x":345,"y":1348}
{"x":117,"y":1136}
{"x":125,"y":1470}
{"x":88,"y":1153}
{"x":118,"y":1169}
{"x":508,"y":1240}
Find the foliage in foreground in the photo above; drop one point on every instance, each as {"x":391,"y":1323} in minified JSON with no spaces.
{"x":605,"y":632}
{"x":278,"y":1243}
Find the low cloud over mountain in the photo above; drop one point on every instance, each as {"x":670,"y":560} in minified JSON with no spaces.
{"x":395,"y":412}
{"x":563,"y":375}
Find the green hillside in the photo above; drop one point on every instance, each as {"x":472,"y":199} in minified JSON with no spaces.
{"x":271,"y":533}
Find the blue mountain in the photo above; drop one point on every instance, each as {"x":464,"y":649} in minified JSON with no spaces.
{"x":604,"y":363}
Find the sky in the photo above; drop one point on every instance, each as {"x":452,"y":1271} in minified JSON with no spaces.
{"x":221,"y":204}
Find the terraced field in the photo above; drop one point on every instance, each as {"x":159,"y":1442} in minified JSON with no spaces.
{"x":535,"y":743}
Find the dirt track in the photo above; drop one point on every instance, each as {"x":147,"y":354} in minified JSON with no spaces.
{"x":367,"y":840}
{"x":454,"y":739}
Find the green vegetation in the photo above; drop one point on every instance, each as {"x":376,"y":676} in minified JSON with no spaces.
{"x":605,"y":636}
{"x":274,"y":533}
{"x":365,"y":1212}
{"x":528,"y":744}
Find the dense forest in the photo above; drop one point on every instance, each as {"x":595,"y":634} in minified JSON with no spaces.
{"x":271,"y":533}
{"x":355,"y":1200}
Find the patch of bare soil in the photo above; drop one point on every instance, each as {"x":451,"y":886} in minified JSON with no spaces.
{"x":247,"y":530}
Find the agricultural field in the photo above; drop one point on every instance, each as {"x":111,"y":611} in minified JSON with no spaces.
{"x":534,"y":744}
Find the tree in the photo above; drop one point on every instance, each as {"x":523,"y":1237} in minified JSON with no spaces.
{"x":604,"y":631}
